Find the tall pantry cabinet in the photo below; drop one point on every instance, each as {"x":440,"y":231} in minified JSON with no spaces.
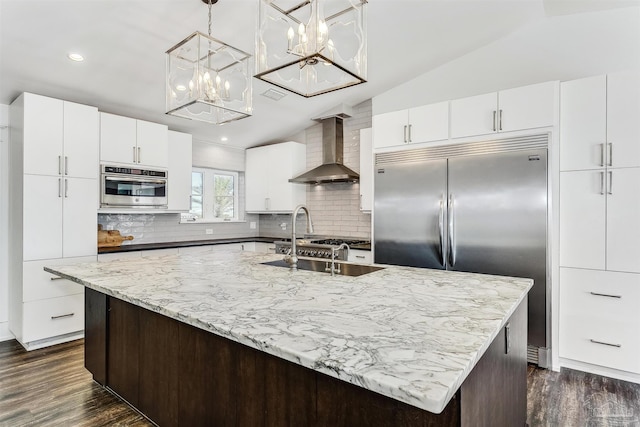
{"x":54,"y":200}
{"x":600,"y":223}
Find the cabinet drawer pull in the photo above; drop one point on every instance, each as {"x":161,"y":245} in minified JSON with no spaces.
{"x":62,"y":316}
{"x":605,"y":295}
{"x":606,"y":343}
{"x":57,"y":278}
{"x":360,"y":256}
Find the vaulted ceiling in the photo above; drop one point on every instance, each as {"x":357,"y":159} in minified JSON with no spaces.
{"x":124,"y":44}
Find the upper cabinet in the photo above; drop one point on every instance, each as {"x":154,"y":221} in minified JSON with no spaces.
{"x":366,"y":170}
{"x":135,"y":142}
{"x":600,"y":122}
{"x":267,"y":174}
{"x":60,"y":138}
{"x":180,"y":165}
{"x":422,"y":124}
{"x":521,"y":108}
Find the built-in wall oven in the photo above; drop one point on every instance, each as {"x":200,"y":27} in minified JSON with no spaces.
{"x":122,"y":186}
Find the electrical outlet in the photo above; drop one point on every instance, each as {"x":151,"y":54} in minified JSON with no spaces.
{"x":252,"y":225}
{"x":209,"y":231}
{"x":283,"y":225}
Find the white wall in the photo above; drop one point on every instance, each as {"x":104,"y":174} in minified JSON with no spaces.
{"x":4,"y":228}
{"x":555,"y":48}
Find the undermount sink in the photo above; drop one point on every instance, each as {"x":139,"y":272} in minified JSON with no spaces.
{"x":321,"y":265}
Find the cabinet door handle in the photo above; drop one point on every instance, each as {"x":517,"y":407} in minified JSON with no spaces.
{"x":139,"y":156}
{"x":605,"y":295}
{"x":66,"y":165}
{"x":361,"y":202}
{"x":134,"y":155}
{"x":66,"y":188}
{"x":59,"y":165}
{"x":610,"y":191}
{"x":62,"y":316}
{"x":610,"y":153}
{"x":59,"y":187}
{"x":494,"y":120}
{"x":507,"y":337}
{"x":410,"y":133}
{"x":602,"y":154}
{"x":602,"y":183}
{"x":267,"y":203}
{"x":605,"y":343}
{"x":404,"y":134}
{"x":500,"y":120}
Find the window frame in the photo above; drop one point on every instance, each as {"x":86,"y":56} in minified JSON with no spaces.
{"x":208,"y":196}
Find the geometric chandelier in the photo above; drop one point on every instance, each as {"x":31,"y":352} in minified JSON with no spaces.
{"x":208,"y":80}
{"x":311,"y":47}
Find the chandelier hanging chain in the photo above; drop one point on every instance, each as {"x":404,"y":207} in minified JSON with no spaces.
{"x":210,"y":4}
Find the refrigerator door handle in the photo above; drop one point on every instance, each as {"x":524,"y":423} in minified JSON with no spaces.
{"x":452,"y":246}
{"x":441,"y":230}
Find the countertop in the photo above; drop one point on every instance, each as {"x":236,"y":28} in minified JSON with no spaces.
{"x":186,"y":243}
{"x":407,"y":333}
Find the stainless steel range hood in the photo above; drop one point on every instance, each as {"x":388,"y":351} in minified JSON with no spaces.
{"x":332,"y":169}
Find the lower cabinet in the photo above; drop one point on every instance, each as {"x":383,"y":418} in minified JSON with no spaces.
{"x":599,"y":318}
{"x":177,"y":374}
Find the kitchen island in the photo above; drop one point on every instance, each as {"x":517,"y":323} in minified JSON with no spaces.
{"x":221,"y":339}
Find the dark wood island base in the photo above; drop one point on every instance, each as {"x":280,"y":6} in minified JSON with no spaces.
{"x":179,"y":375}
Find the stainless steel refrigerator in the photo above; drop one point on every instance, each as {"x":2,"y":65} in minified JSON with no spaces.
{"x":476,"y":207}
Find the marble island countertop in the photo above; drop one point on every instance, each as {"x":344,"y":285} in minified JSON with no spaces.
{"x":410,"y":334}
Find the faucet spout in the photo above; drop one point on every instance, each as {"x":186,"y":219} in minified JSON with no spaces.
{"x":292,"y":259}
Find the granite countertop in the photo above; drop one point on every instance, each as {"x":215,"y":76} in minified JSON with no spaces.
{"x":410,"y":334}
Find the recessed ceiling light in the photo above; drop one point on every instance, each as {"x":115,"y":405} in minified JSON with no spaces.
{"x":276,"y":95}
{"x":75,"y":57}
{"x":224,"y":139}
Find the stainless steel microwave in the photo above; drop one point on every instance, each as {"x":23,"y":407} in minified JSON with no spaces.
{"x":121,"y":186}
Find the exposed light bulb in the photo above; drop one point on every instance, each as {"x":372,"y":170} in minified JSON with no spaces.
{"x":301,"y":29}
{"x":207,"y":76}
{"x":290,"y":33}
{"x":182,"y":88}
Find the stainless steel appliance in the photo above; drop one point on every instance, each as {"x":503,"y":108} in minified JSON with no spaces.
{"x":132,"y":187}
{"x":322,"y":247}
{"x":476,"y":207}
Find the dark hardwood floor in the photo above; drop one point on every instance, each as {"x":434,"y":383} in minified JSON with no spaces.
{"x":50,"y":387}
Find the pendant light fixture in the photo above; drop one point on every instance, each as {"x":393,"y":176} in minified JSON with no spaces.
{"x":208,"y":80}
{"x":311,"y":47}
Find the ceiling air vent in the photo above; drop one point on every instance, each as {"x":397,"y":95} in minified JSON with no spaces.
{"x":276,"y":95}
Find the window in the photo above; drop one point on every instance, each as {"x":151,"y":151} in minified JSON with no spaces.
{"x":214,"y":195}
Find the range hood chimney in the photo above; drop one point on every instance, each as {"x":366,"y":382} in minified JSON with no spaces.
{"x":332,"y":169}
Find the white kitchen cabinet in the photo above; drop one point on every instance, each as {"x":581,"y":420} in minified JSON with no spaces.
{"x":180,"y":165}
{"x":39,"y":284}
{"x":623,"y":119}
{"x":269,"y":248}
{"x":53,"y":214}
{"x":583,"y":130}
{"x":599,"y":227}
{"x":267,"y":173}
{"x":582,"y":219}
{"x":600,"y":125}
{"x":415,"y":125}
{"x":623,"y":219}
{"x":599,"y":318}
{"x":366,"y":170}
{"x":60,"y":138}
{"x":360,"y":256}
{"x":526,"y":107}
{"x":124,"y":140}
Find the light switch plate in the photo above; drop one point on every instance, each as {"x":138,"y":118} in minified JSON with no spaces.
{"x":209,"y":231}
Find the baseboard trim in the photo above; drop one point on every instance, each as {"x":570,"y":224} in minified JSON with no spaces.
{"x":5,"y":333}
{"x":600,"y":370}
{"x":35,"y":345}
